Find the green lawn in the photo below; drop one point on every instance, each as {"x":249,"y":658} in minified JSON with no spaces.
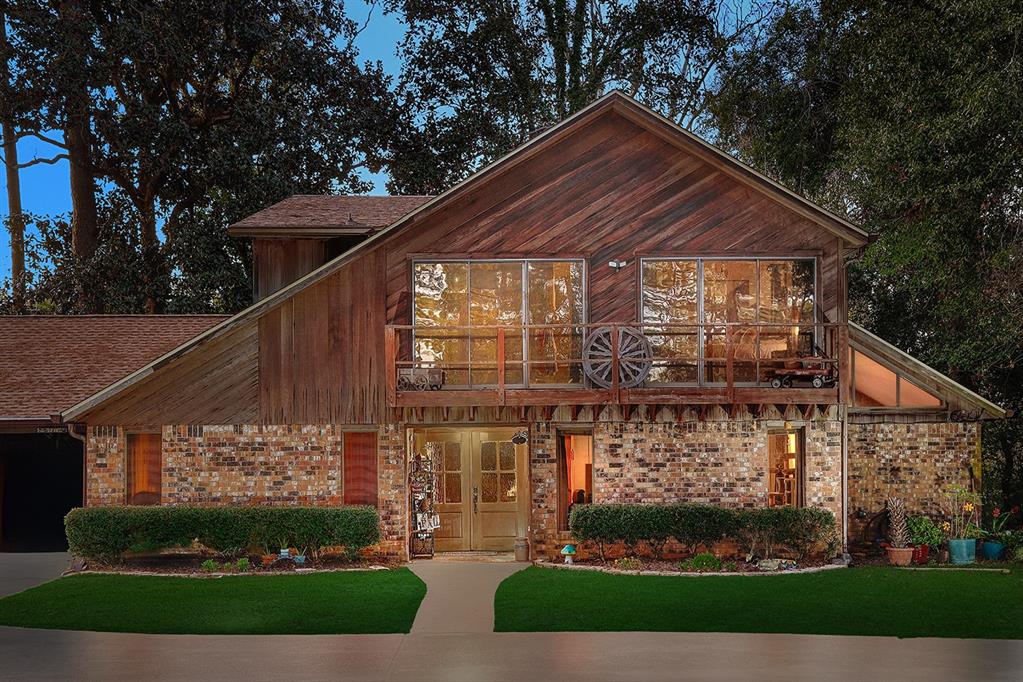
{"x":320,"y":603}
{"x":855,"y":601}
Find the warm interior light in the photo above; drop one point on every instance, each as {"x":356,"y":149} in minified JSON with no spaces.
{"x":792,"y":463}
{"x":792,"y":445}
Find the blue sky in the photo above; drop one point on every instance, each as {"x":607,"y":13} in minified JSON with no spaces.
{"x":45,"y":190}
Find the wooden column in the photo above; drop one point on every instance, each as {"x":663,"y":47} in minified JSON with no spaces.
{"x":842,"y":345}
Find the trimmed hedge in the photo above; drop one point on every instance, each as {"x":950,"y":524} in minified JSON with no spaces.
{"x":756,"y":531}
{"x":105,"y":533}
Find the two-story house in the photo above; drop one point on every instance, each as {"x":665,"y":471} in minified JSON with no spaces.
{"x":614,"y":312}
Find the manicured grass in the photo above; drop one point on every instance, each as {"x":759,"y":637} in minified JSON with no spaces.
{"x":854,"y":601}
{"x":321,"y":603}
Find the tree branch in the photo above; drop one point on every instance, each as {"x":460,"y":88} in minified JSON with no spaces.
{"x":50,"y":161}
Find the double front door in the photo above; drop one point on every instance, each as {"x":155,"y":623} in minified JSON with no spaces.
{"x":482,"y":492}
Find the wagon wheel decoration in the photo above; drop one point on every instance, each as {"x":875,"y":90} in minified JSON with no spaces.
{"x":635,"y":357}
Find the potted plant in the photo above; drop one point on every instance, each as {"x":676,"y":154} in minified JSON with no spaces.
{"x":923,"y":534}
{"x":898,"y":549}
{"x":994,"y":539}
{"x":962,"y":507}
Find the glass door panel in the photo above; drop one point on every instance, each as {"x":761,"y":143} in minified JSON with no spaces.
{"x":555,"y":297}
{"x":495,"y":300}
{"x":670,"y":302}
{"x":729,"y":297}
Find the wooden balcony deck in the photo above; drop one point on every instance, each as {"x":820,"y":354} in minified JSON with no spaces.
{"x":738,"y":352}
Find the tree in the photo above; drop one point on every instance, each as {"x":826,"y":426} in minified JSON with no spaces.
{"x":479,"y":78}
{"x":204,"y":110}
{"x":908,"y":117}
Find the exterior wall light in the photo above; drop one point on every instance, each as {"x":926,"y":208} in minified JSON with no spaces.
{"x":617,"y":264}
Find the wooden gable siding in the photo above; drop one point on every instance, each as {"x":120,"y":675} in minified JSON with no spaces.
{"x":321,"y":354}
{"x":217,"y":383}
{"x":279,"y":262}
{"x":610,"y":191}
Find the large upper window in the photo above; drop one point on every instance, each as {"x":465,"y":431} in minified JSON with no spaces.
{"x":469,"y":301}
{"x":692,"y":306}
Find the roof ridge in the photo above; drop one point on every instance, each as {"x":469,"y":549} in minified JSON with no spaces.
{"x":151,"y":316}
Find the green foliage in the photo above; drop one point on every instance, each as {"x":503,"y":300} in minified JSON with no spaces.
{"x":478,"y":79}
{"x":802,"y":530}
{"x":195,"y":114}
{"x":704,"y":562}
{"x":105,"y":533}
{"x":628,"y":563}
{"x":242,"y":565}
{"x":870,"y":109}
{"x":209,"y":566}
{"x":923,"y":531}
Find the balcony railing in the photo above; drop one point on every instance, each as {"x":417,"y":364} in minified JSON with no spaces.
{"x":614,"y":362}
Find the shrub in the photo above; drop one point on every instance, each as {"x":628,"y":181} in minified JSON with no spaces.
{"x":704,"y":562}
{"x":242,"y":565}
{"x":804,"y":531}
{"x":923,"y":531}
{"x":209,"y":565}
{"x":701,"y":524}
{"x":105,"y":533}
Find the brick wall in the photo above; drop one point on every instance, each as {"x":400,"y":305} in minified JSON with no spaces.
{"x":253,"y":464}
{"x":916,"y":462}
{"x":713,"y":462}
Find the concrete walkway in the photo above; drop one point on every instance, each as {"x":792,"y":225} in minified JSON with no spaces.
{"x":459,"y":595}
{"x":20,"y":571}
{"x":497,"y":657}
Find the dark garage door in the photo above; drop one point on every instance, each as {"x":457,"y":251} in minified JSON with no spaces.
{"x":40,"y":481}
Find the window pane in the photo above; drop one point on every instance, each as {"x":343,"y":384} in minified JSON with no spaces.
{"x":729,"y":296}
{"x":786,"y":290}
{"x":575,"y":474}
{"x":555,"y":297}
{"x":875,"y":384}
{"x":911,"y":395}
{"x":670,"y":298}
{"x":784,"y":475}
{"x":495,"y":300}
{"x":144,"y":468}
{"x":441,"y":295}
{"x":359,"y":484}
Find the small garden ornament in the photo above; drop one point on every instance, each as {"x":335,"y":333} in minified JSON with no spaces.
{"x":568,"y":551}
{"x":899,"y":551}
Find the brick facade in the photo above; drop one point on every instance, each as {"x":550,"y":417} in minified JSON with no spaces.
{"x":715,"y":462}
{"x":712,"y":462}
{"x":916,"y":462}
{"x":253,"y":464}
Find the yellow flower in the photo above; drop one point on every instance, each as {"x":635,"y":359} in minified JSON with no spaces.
{"x":946,"y":526}
{"x":968,"y":506}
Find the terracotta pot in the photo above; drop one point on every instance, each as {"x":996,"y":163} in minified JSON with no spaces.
{"x":899,"y":556}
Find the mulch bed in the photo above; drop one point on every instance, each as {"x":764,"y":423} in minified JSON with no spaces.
{"x":191,"y":564}
{"x":649,"y":565}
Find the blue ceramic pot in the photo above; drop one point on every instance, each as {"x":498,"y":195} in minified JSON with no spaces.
{"x":993,"y":551}
{"x":962,"y":551}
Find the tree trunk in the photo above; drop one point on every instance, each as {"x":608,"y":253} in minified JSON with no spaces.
{"x":153,"y":256}
{"x":83,"y":186}
{"x":16,"y":219}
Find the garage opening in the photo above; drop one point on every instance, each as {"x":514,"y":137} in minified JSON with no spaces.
{"x":40,"y":481}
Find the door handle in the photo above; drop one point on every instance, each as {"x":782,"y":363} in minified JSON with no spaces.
{"x":475,"y":498}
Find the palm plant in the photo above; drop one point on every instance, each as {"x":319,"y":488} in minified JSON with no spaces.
{"x":898,"y":529}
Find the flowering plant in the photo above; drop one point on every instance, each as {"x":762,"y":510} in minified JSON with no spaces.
{"x":998,"y":521}
{"x":962,"y":508}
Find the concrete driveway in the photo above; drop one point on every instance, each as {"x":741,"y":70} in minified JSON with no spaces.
{"x":20,"y":571}
{"x":486,"y":657}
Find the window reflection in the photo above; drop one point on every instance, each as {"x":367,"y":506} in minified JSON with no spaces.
{"x":759,"y":292}
{"x":492,"y":295}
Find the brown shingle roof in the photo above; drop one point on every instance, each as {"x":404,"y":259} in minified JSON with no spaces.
{"x":50,"y":362}
{"x":316,"y":215}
